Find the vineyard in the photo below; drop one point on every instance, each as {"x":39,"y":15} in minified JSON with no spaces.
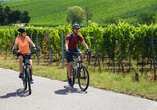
{"x":135,"y":43}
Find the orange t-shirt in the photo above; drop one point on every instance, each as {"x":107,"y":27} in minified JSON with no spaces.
{"x":23,"y":45}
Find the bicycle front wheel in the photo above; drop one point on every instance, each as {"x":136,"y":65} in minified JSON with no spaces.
{"x":83,"y":78}
{"x":25,"y":83}
{"x":28,"y":79}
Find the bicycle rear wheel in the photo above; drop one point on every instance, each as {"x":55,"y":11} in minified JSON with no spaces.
{"x":72,"y":76}
{"x":28,"y":79}
{"x":83,"y":78}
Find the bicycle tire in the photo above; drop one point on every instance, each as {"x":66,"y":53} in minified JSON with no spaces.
{"x":72,"y":76}
{"x":28,"y":78}
{"x":25,"y":83}
{"x":83,"y":77}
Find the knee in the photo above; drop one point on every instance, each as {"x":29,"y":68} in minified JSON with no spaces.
{"x":30,"y":62}
{"x":70,"y":64}
{"x":20,"y":58}
{"x":30,"y":65}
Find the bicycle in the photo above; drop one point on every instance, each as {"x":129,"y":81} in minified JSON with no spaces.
{"x":80,"y":72}
{"x":27,"y":69}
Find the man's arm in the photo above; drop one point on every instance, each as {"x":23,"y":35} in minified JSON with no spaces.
{"x":85,"y":45}
{"x":66,"y":44}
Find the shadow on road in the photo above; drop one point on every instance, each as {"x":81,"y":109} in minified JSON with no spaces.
{"x":19,"y":92}
{"x":68,"y":89}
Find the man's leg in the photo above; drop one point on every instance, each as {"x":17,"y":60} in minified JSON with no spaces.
{"x":69,"y":69}
{"x":69,"y":73}
{"x":81,"y":56}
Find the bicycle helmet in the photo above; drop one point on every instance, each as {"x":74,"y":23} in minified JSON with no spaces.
{"x":76,"y":26}
{"x":21,"y":30}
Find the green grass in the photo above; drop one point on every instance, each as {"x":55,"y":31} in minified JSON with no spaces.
{"x":107,"y":80}
{"x":53,"y":12}
{"x":7,"y":27}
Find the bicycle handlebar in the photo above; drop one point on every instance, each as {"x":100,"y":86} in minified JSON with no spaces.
{"x":78,"y":53}
{"x":27,"y":53}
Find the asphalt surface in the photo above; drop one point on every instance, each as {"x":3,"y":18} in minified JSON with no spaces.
{"x":48,"y":94}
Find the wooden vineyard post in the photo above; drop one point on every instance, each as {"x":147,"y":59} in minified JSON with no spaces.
{"x":62,"y":49}
{"x":37,"y":47}
{"x":97,"y":53}
{"x":153,"y":57}
{"x":12,"y":43}
{"x":31,"y":45}
{"x":49,"y":48}
{"x":121,"y":58}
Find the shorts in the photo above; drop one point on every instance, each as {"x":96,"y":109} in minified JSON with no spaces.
{"x":70,"y":58}
{"x":19,"y":54}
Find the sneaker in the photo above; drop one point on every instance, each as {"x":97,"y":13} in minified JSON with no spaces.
{"x":70,"y":82}
{"x":32,"y":81}
{"x":21,"y":75}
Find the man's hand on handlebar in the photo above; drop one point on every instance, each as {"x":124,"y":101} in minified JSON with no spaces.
{"x":89,"y":51}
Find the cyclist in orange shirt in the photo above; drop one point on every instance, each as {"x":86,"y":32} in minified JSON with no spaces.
{"x":23,"y":42}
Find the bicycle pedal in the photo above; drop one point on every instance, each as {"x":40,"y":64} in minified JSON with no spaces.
{"x":84,"y":77}
{"x":21,"y":77}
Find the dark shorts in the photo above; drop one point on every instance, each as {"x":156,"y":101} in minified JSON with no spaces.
{"x":70,"y":58}
{"x":19,"y":54}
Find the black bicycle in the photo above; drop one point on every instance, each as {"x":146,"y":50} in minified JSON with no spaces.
{"x":80,"y":72}
{"x":27,"y":70}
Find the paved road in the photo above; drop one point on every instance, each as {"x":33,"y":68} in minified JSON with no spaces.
{"x":50,"y":94}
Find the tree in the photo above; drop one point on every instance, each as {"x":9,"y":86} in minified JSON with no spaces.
{"x":7,"y":10}
{"x":2,"y":15}
{"x":10,"y":17}
{"x":14,"y":16}
{"x":24,"y":18}
{"x":146,"y":17}
{"x":88,"y":14}
{"x":111,"y":19}
{"x":75,"y":15}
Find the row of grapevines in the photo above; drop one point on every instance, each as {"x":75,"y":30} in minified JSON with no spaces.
{"x":134,"y":41}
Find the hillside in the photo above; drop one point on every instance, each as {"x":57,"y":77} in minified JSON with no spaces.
{"x":53,"y":12}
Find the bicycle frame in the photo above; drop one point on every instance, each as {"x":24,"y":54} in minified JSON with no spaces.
{"x":78,"y":61}
{"x":25,"y":66}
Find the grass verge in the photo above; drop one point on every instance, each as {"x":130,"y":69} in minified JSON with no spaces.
{"x":107,"y":80}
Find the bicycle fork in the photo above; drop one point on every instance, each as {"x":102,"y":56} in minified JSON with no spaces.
{"x":24,"y":70}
